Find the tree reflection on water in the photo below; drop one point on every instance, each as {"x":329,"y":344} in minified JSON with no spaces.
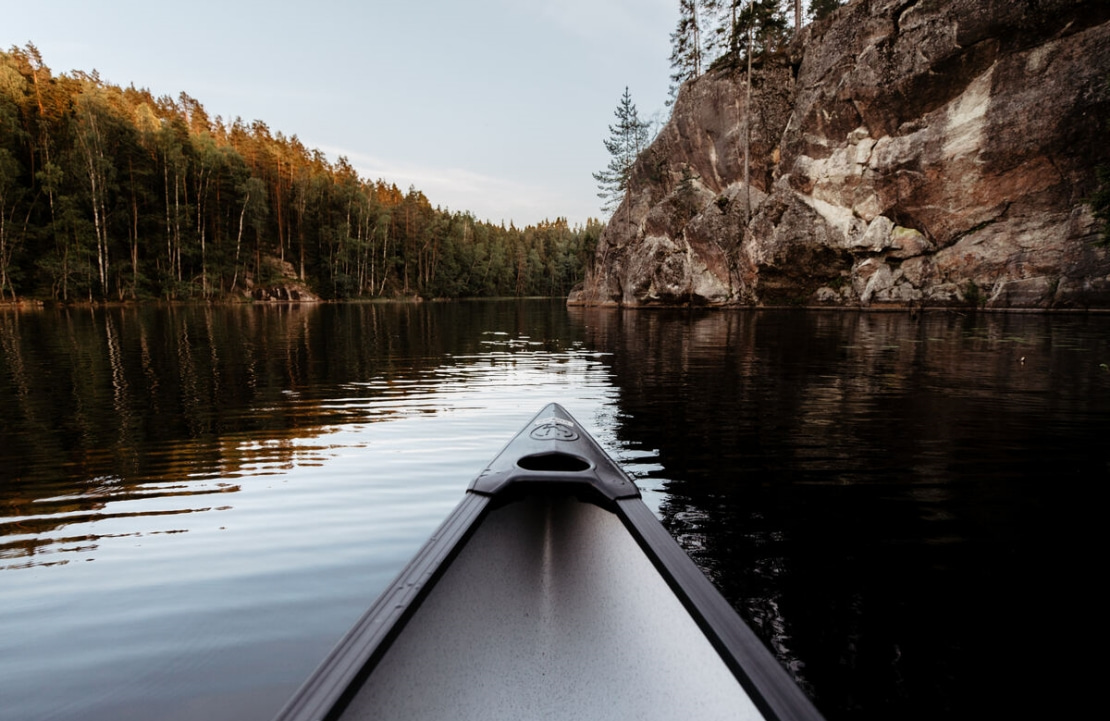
{"x":886,"y":499}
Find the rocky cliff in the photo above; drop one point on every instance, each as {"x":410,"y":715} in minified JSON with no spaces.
{"x":901,"y":153}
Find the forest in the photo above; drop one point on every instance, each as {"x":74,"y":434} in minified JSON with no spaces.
{"x":111,"y":194}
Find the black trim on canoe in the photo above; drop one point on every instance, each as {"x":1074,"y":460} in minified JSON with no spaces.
{"x":552,"y":455}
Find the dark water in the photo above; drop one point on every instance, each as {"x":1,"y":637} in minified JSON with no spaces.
{"x":196,"y":502}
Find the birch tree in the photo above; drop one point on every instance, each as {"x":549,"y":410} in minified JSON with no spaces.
{"x":252,"y":213}
{"x":206,"y":163}
{"x":97,"y":169}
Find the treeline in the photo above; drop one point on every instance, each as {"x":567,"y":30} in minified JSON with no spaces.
{"x":111,"y":193}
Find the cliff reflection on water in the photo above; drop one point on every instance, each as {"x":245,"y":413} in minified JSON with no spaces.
{"x":889,"y":501}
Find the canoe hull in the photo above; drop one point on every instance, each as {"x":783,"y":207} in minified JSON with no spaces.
{"x":551,"y":591}
{"x":550,"y":607}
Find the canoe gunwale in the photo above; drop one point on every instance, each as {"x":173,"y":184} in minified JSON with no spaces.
{"x":774,"y":693}
{"x":328,"y":691}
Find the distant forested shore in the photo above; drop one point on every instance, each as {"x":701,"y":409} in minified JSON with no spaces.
{"x":112,"y":194}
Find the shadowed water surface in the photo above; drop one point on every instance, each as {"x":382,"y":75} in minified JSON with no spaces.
{"x":896,"y":505}
{"x":196,"y":502}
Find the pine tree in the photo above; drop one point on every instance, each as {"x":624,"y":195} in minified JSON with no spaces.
{"x":820,"y":8}
{"x":686,"y":46}
{"x":768,"y":23}
{"x":627,"y":138}
{"x":725,"y":25}
{"x":718,"y":20}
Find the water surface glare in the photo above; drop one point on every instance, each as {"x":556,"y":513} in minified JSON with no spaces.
{"x":185,"y":535}
{"x":197,"y":502}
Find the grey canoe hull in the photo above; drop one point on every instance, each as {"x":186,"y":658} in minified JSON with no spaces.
{"x":550,"y":592}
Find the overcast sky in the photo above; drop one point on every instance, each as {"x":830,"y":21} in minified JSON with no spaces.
{"x":498,"y":107}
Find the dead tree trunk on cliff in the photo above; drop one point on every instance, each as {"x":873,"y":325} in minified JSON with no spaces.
{"x":748,"y":130}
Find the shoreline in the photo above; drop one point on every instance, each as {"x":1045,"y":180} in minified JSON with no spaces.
{"x":38,"y":304}
{"x":914,"y":310}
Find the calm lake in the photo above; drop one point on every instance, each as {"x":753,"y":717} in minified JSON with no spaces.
{"x":197,"y":502}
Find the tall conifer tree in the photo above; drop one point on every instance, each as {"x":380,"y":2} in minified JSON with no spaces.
{"x":768,"y":23}
{"x":718,"y":22}
{"x":627,"y":138}
{"x":686,"y":46}
{"x":725,"y":23}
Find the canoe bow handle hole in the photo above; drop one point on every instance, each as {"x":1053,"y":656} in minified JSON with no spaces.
{"x":559,"y":462}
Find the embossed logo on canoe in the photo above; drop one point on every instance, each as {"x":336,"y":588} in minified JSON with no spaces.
{"x":554,"y":429}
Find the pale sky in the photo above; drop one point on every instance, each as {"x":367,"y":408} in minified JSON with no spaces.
{"x":497,"y":107}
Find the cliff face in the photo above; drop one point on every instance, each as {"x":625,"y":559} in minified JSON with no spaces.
{"x":902,"y":153}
